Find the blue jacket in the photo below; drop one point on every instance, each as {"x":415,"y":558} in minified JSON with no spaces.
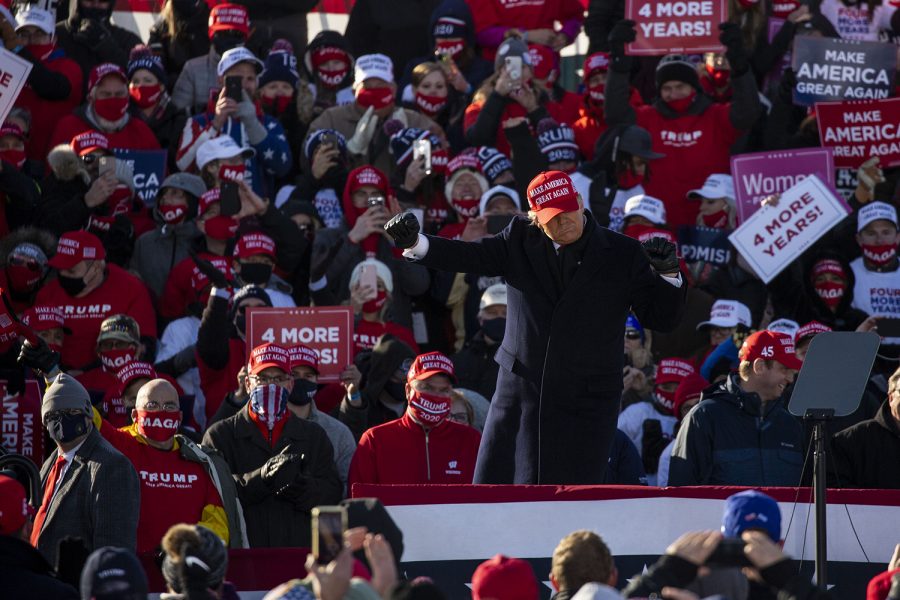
{"x":726,"y":440}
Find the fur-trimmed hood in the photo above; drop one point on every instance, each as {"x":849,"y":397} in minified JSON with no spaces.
{"x":42,"y":238}
{"x":66,"y":166}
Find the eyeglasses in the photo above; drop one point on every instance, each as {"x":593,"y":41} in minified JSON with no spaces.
{"x":460,"y":418}
{"x":167,"y":407}
{"x":266,"y":380}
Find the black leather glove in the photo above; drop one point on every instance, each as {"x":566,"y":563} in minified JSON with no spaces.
{"x":280,"y":470}
{"x":91,"y":32}
{"x":734,"y":48}
{"x":215,"y":276}
{"x":662,"y":255}
{"x":404,"y":229}
{"x":39,"y":358}
{"x":622,"y":33}
{"x":322,"y":260}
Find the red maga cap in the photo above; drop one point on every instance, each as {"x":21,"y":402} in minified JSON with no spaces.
{"x":673,"y":370}
{"x":269,"y":355}
{"x":42,"y":318}
{"x":87,"y":142}
{"x":504,"y":577}
{"x":304,"y":356}
{"x":598,"y":61}
{"x":253,"y":244}
{"x":102,"y":70}
{"x":74,"y":247}
{"x":134,"y":370}
{"x":225,"y":17}
{"x":14,"y":508}
{"x":771,"y":345}
{"x":811,"y":329}
{"x":550,"y":194}
{"x":428,"y":364}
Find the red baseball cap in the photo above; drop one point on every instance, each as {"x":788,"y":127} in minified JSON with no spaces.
{"x":102,"y":71}
{"x":689,"y":389}
{"x":10,"y":128}
{"x":134,"y":370}
{"x":44,"y":318}
{"x":428,"y":364}
{"x":74,"y":247}
{"x":598,"y":61}
{"x":550,"y":194}
{"x":208,"y":198}
{"x":466,"y":160}
{"x":253,"y":244}
{"x":543,"y":62}
{"x":225,"y":16}
{"x":14,"y":508}
{"x":304,"y":356}
{"x":269,"y":355}
{"x":504,"y":578}
{"x":811,"y":329}
{"x":671,"y":370}
{"x":199,"y":281}
{"x":771,"y":345}
{"x":88,"y":141}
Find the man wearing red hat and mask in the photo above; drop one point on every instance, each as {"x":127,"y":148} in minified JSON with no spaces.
{"x":553,"y":416}
{"x":422,"y":446}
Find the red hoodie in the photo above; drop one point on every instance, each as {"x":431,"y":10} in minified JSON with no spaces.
{"x":523,"y":15}
{"x":401,"y":451}
{"x":136,"y":135}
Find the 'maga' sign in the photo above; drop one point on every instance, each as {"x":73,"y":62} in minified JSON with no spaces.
{"x":682,"y":26}
{"x":857,"y":131}
{"x":830,"y":69}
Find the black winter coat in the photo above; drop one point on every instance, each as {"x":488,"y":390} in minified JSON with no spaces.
{"x":475,"y":366}
{"x":553,"y":416}
{"x":867,"y":454}
{"x":274,"y":521}
{"x":114,"y":45}
{"x":26,"y":573}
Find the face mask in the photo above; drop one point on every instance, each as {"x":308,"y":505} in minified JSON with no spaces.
{"x":303,"y":393}
{"x":269,"y":403}
{"x":374,"y":305}
{"x":159,"y":426}
{"x":22,"y":279}
{"x":718,"y":219}
{"x":682,"y":104}
{"x":256,"y":273}
{"x":748,"y":4}
{"x":430,"y":105}
{"x":145,"y":96}
{"x":596,"y":94}
{"x":627,"y":179}
{"x":221,"y":227}
{"x":66,"y":428}
{"x":377,"y":98}
{"x":427,"y":409}
{"x":719,"y":77}
{"x":173,"y":213}
{"x":665,"y":399}
{"x":41,"y":51}
{"x":232,"y":172}
{"x":184,"y":7}
{"x":95,"y":14}
{"x":494,"y":328}
{"x":879,"y":254}
{"x":275,"y":106}
{"x":466,"y":208}
{"x":111,"y":109}
{"x":452,"y":48}
{"x":396,"y":390}
{"x":71,"y":285}
{"x":332,"y":79}
{"x":224,"y":43}
{"x":831,"y":293}
{"x":113,"y":360}
{"x":13,"y":157}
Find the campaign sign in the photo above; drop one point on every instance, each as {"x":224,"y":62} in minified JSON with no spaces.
{"x":761,"y":174}
{"x":326,"y":329}
{"x":704,"y":244}
{"x":14,"y":72}
{"x":20,"y":422}
{"x":857,"y":131}
{"x":829,"y":69}
{"x":675,"y":26}
{"x":776,"y":235}
{"x":149,"y":171}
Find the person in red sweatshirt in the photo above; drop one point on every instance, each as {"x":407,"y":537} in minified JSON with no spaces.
{"x":545,"y":64}
{"x":106,"y":111}
{"x":422,"y":446}
{"x":693,"y":132}
{"x":173,"y":489}
{"x":118,"y":344}
{"x":89,"y":290}
{"x":53,"y":89}
{"x":536,"y":19}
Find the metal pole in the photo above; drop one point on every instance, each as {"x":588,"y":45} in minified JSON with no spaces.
{"x":820,"y":500}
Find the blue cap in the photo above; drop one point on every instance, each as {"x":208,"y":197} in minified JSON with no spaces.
{"x":751,"y":510}
{"x":632,"y":323}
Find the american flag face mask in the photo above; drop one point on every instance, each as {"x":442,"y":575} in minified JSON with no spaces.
{"x":269,"y":402}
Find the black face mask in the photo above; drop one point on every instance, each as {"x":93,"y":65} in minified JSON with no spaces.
{"x":65,"y":428}
{"x":94,"y":14}
{"x":184,"y":7}
{"x":256,"y":273}
{"x":223,"y":41}
{"x":71,"y":285}
{"x":396,"y":390}
{"x":494,"y":328}
{"x":303,"y":393}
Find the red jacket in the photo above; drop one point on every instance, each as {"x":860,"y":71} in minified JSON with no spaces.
{"x":173,"y":490}
{"x":120,"y":293}
{"x":591,"y":124}
{"x":47,"y":113}
{"x":523,"y":15}
{"x":136,"y":135}
{"x":401,"y":451}
{"x":367,"y":333}
{"x":179,"y":290}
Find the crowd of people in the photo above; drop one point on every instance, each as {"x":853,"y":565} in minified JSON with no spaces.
{"x":287,"y":157}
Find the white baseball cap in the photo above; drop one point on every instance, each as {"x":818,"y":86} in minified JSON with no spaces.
{"x":785,"y":326}
{"x":716,"y":185}
{"x":235,"y":56}
{"x":875,"y":211}
{"x":727,"y":313}
{"x":495,"y":294}
{"x":223,"y":146}
{"x":32,"y":16}
{"x":646,"y":206}
{"x":370,"y":66}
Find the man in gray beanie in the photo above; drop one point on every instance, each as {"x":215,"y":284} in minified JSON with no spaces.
{"x":90,"y":490}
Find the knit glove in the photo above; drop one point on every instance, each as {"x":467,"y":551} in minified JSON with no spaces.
{"x":622,"y":33}
{"x":730,"y":37}
{"x":365,"y":131}
{"x":404,"y":229}
{"x":246,"y":112}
